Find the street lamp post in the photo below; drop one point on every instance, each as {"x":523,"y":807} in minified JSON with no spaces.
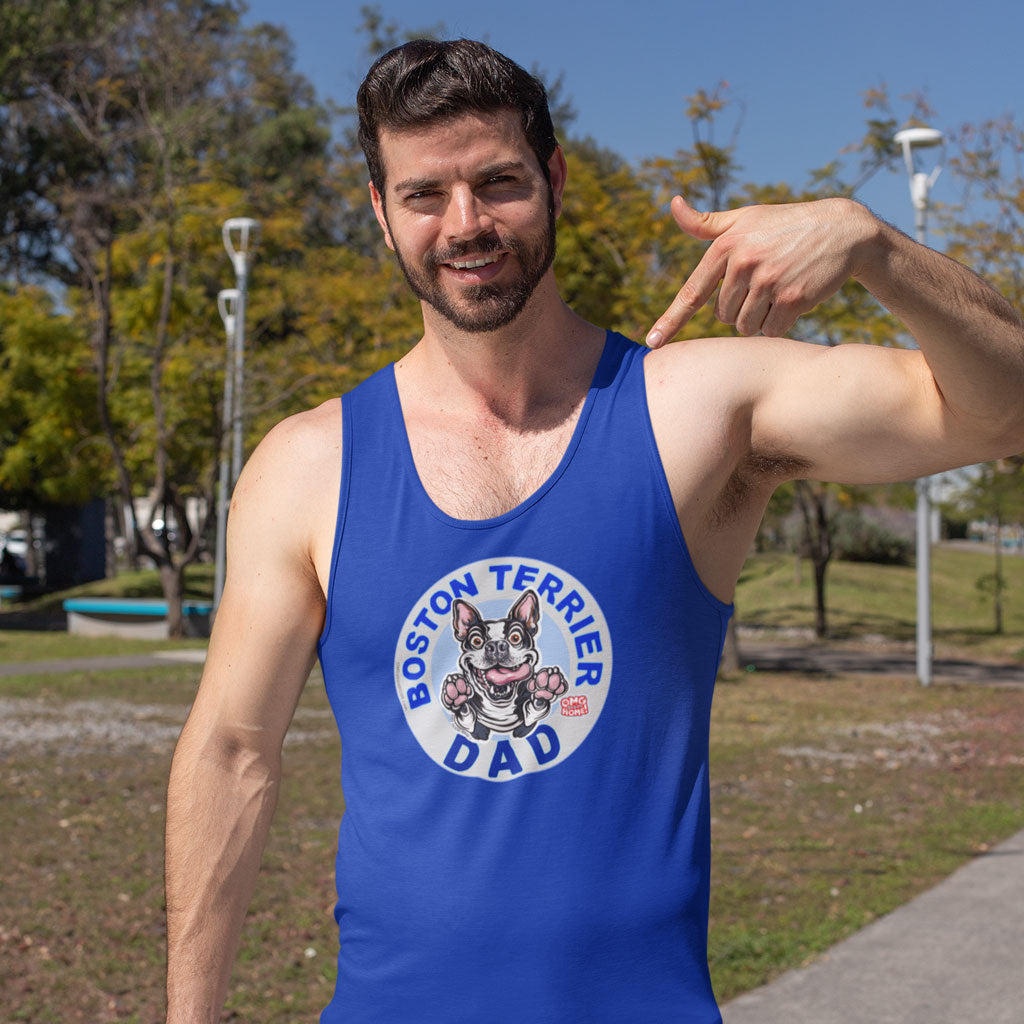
{"x":910,"y":140}
{"x":239,"y":234}
{"x":227,"y":304}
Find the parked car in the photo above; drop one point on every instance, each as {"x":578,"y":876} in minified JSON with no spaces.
{"x":13,"y":547}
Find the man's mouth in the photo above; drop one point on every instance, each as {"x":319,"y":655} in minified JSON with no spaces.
{"x":474,"y":264}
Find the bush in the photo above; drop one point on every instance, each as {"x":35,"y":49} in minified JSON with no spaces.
{"x":860,"y":540}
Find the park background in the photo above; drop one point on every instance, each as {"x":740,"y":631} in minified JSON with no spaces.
{"x":130,"y":131}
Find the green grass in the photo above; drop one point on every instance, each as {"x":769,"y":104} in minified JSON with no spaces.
{"x":836,"y":801}
{"x":25,"y":645}
{"x":35,"y":645}
{"x":935,"y":772}
{"x":81,"y":833}
{"x":881,"y":600}
{"x":142,"y":583}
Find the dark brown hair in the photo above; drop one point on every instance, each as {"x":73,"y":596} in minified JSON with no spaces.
{"x":425,"y":81}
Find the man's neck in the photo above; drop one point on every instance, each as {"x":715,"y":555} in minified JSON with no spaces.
{"x":523,"y":374}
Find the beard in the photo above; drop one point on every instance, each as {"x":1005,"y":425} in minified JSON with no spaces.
{"x":484,"y":307}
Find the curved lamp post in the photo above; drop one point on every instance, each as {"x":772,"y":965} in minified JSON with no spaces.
{"x":239,"y":235}
{"x":911,"y":140}
{"x":227,"y":304}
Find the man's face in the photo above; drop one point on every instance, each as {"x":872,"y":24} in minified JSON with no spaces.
{"x":470,"y":216}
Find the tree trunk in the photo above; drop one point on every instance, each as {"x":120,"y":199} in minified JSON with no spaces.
{"x":172,"y":580}
{"x":731,"y":650}
{"x":999,"y":582}
{"x":818,"y":535}
{"x":820,"y":614}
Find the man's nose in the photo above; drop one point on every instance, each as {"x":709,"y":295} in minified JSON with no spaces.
{"x":466,"y":217}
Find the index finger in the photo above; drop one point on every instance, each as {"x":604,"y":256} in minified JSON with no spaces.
{"x":696,"y":290}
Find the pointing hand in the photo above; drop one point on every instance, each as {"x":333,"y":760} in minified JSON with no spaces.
{"x":773,"y":262}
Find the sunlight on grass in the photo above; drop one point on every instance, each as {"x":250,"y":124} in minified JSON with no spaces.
{"x":880,"y":600}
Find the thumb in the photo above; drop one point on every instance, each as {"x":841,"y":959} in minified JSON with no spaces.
{"x":705,"y":226}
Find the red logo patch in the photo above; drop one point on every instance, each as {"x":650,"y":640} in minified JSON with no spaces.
{"x":575,"y":706}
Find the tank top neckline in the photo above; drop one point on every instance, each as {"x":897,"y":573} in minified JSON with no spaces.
{"x":608,"y":354}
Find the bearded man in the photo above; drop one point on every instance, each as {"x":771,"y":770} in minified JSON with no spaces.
{"x":515,"y":550}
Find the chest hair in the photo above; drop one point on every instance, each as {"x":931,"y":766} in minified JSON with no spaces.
{"x":483,"y":471}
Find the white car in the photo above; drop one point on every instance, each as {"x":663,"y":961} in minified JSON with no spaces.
{"x":16,"y":543}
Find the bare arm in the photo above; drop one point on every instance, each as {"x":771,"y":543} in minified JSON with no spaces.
{"x":226,"y":769}
{"x":855,"y":413}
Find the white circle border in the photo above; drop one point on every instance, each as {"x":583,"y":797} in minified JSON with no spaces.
{"x":583,"y":655}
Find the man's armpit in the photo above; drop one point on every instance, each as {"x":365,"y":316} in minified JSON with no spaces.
{"x":758,"y":473}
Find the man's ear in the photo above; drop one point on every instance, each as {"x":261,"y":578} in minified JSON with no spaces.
{"x":558,"y":172}
{"x":382,"y":220}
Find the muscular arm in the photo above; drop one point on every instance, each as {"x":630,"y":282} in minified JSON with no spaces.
{"x":226,"y":768}
{"x":855,"y":413}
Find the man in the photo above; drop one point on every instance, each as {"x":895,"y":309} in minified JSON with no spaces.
{"x":515,"y":552}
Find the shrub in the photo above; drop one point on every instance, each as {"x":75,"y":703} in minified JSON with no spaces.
{"x":858,"y":539}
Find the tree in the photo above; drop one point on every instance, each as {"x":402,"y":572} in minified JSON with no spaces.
{"x":851,"y":315}
{"x":989,"y":163}
{"x":50,"y":451}
{"x":152,"y":104}
{"x":994,"y":492}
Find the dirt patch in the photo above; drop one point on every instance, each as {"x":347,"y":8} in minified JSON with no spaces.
{"x":104,"y":725}
{"x":933,"y":740}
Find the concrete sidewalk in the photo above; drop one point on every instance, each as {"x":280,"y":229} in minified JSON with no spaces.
{"x":110,"y":663}
{"x":954,"y":955}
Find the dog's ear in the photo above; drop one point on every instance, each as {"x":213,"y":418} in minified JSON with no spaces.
{"x":527,"y":611}
{"x":464,"y":615}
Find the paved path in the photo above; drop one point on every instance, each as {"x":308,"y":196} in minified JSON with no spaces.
{"x":954,"y":955}
{"x":765,"y":657}
{"x":874,"y":661}
{"x":158,"y":659}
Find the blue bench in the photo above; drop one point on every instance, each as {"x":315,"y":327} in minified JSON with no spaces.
{"x":138,"y":617}
{"x":10,"y":592}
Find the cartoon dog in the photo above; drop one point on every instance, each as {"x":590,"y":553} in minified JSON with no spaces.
{"x":498,"y":688}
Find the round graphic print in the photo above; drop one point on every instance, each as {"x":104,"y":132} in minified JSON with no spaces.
{"x":502,"y":668}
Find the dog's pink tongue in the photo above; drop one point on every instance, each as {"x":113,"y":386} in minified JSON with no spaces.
{"x":503,"y":676}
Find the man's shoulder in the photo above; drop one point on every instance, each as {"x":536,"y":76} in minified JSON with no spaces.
{"x":289,"y":486}
{"x":734,"y":368}
{"x":300,"y":447}
{"x":714,"y":368}
{"x":306,"y":434}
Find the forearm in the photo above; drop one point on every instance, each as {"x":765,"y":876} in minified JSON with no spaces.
{"x":970,"y":336}
{"x":220,"y":801}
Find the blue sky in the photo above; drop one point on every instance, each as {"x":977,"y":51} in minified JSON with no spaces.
{"x":798,"y":68}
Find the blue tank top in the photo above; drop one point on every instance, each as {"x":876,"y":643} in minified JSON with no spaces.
{"x":524,"y":706}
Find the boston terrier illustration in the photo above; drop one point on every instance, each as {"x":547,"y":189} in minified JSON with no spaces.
{"x":499,"y":687}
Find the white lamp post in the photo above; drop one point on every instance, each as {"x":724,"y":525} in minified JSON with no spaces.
{"x":910,"y":140}
{"x":239,"y":235}
{"x":227,"y":304}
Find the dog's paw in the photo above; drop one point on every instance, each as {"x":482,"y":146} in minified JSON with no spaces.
{"x":547,"y":684}
{"x":455,"y":692}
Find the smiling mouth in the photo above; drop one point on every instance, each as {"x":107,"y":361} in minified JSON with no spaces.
{"x":499,"y":681}
{"x":483,"y":261}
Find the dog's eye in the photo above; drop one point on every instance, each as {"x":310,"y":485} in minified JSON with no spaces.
{"x":515,"y":636}
{"x":476,"y":640}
